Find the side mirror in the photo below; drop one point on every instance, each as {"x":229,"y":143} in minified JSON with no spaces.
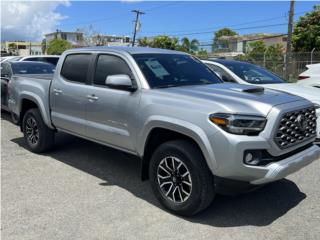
{"x":120,"y":81}
{"x":226,"y":79}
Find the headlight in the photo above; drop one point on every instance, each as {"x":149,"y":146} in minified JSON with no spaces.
{"x":239,"y":124}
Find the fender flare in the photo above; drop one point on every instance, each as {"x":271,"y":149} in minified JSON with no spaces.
{"x":182,"y":127}
{"x":37,"y":100}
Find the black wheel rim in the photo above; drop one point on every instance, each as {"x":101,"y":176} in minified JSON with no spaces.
{"x":32,"y":131}
{"x":174,"y":179}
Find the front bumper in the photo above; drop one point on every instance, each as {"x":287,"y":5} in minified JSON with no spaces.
{"x":283,"y":168}
{"x":229,"y":152}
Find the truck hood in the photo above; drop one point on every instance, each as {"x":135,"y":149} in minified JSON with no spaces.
{"x":234,"y":98}
{"x":311,"y":94}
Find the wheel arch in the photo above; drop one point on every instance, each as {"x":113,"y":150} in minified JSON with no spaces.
{"x":158,"y":131}
{"x":27,"y":102}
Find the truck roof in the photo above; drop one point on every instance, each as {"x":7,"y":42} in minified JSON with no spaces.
{"x":130,"y":50}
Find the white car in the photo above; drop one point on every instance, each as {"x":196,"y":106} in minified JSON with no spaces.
{"x":247,"y":73}
{"x":10,"y":58}
{"x":53,"y":59}
{"x":310,"y":77}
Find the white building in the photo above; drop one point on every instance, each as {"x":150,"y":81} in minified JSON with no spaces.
{"x":110,"y":40}
{"x":21,"y":48}
{"x":75,"y":38}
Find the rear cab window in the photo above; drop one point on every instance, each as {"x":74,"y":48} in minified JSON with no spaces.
{"x":75,"y":67}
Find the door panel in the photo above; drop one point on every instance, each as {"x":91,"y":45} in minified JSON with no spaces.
{"x":111,"y":112}
{"x":68,"y":94}
{"x":4,"y":92}
{"x":68,"y":101}
{"x":110,"y":117}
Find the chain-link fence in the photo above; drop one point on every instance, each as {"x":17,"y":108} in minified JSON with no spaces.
{"x":276,"y":64}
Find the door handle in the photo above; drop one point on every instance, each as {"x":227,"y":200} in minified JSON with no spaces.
{"x":57,"y":91}
{"x":92,"y":97}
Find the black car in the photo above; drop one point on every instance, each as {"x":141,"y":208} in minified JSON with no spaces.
{"x":9,"y":70}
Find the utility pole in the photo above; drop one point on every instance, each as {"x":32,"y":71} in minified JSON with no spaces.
{"x":288,"y":58}
{"x":136,"y":22}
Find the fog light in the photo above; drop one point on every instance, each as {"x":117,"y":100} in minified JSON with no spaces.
{"x":252,"y":157}
{"x":248,"y":157}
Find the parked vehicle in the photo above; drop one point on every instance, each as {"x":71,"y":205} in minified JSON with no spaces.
{"x":192,"y":133}
{"x":10,"y":58}
{"x":247,"y":73}
{"x":11,"y":71}
{"x":310,"y":77}
{"x":53,"y":59}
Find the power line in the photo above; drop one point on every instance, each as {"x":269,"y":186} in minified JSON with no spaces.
{"x":249,"y":40}
{"x":230,"y":26}
{"x":245,"y":28}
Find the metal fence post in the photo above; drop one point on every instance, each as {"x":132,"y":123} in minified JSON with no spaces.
{"x":311,"y":56}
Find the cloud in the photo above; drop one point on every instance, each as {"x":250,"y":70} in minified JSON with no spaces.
{"x":29,"y":20}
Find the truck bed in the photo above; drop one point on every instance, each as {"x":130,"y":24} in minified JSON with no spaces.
{"x":47,"y":76}
{"x":36,"y":86}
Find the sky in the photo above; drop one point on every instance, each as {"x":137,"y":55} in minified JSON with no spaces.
{"x":193,"y":19}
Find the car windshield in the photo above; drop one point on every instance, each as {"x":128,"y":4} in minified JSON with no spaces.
{"x":32,"y":68}
{"x":253,"y":74}
{"x":173,"y":70}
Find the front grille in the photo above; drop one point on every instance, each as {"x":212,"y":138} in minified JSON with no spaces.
{"x":296,"y":127}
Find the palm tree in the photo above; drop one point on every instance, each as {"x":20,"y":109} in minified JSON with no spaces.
{"x":189,"y":46}
{"x":194,"y":46}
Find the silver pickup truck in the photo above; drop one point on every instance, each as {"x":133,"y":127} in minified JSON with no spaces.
{"x":194,"y":135}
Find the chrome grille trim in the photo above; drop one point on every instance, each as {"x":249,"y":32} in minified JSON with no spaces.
{"x":296,"y":127}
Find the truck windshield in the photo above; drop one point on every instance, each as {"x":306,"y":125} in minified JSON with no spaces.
{"x":32,"y":68}
{"x":173,"y":70}
{"x":253,"y":74}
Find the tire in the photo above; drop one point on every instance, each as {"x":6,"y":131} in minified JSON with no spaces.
{"x":38,"y":137}
{"x":182,"y":199}
{"x":14,"y":118}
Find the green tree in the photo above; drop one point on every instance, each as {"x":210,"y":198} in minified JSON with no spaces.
{"x":273,"y":59}
{"x":306,"y":34}
{"x":165,"y":42}
{"x":256,"y":51}
{"x":219,"y":42}
{"x":12,"y":48}
{"x":58,"y":46}
{"x":189,"y":46}
{"x":202,"y":54}
{"x":144,"y":42}
{"x":162,"y":41}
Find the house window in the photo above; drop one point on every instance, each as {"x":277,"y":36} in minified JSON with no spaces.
{"x":64,"y":36}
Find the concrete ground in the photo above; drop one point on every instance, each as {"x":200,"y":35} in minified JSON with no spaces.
{"x":82,"y":190}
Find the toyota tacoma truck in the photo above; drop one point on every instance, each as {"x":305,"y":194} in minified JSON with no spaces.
{"x":194,"y":134}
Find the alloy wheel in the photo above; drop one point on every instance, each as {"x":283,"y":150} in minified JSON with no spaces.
{"x":32,"y":131}
{"x":174,"y":179}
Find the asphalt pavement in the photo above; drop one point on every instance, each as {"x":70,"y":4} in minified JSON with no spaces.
{"x":83,"y":190}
